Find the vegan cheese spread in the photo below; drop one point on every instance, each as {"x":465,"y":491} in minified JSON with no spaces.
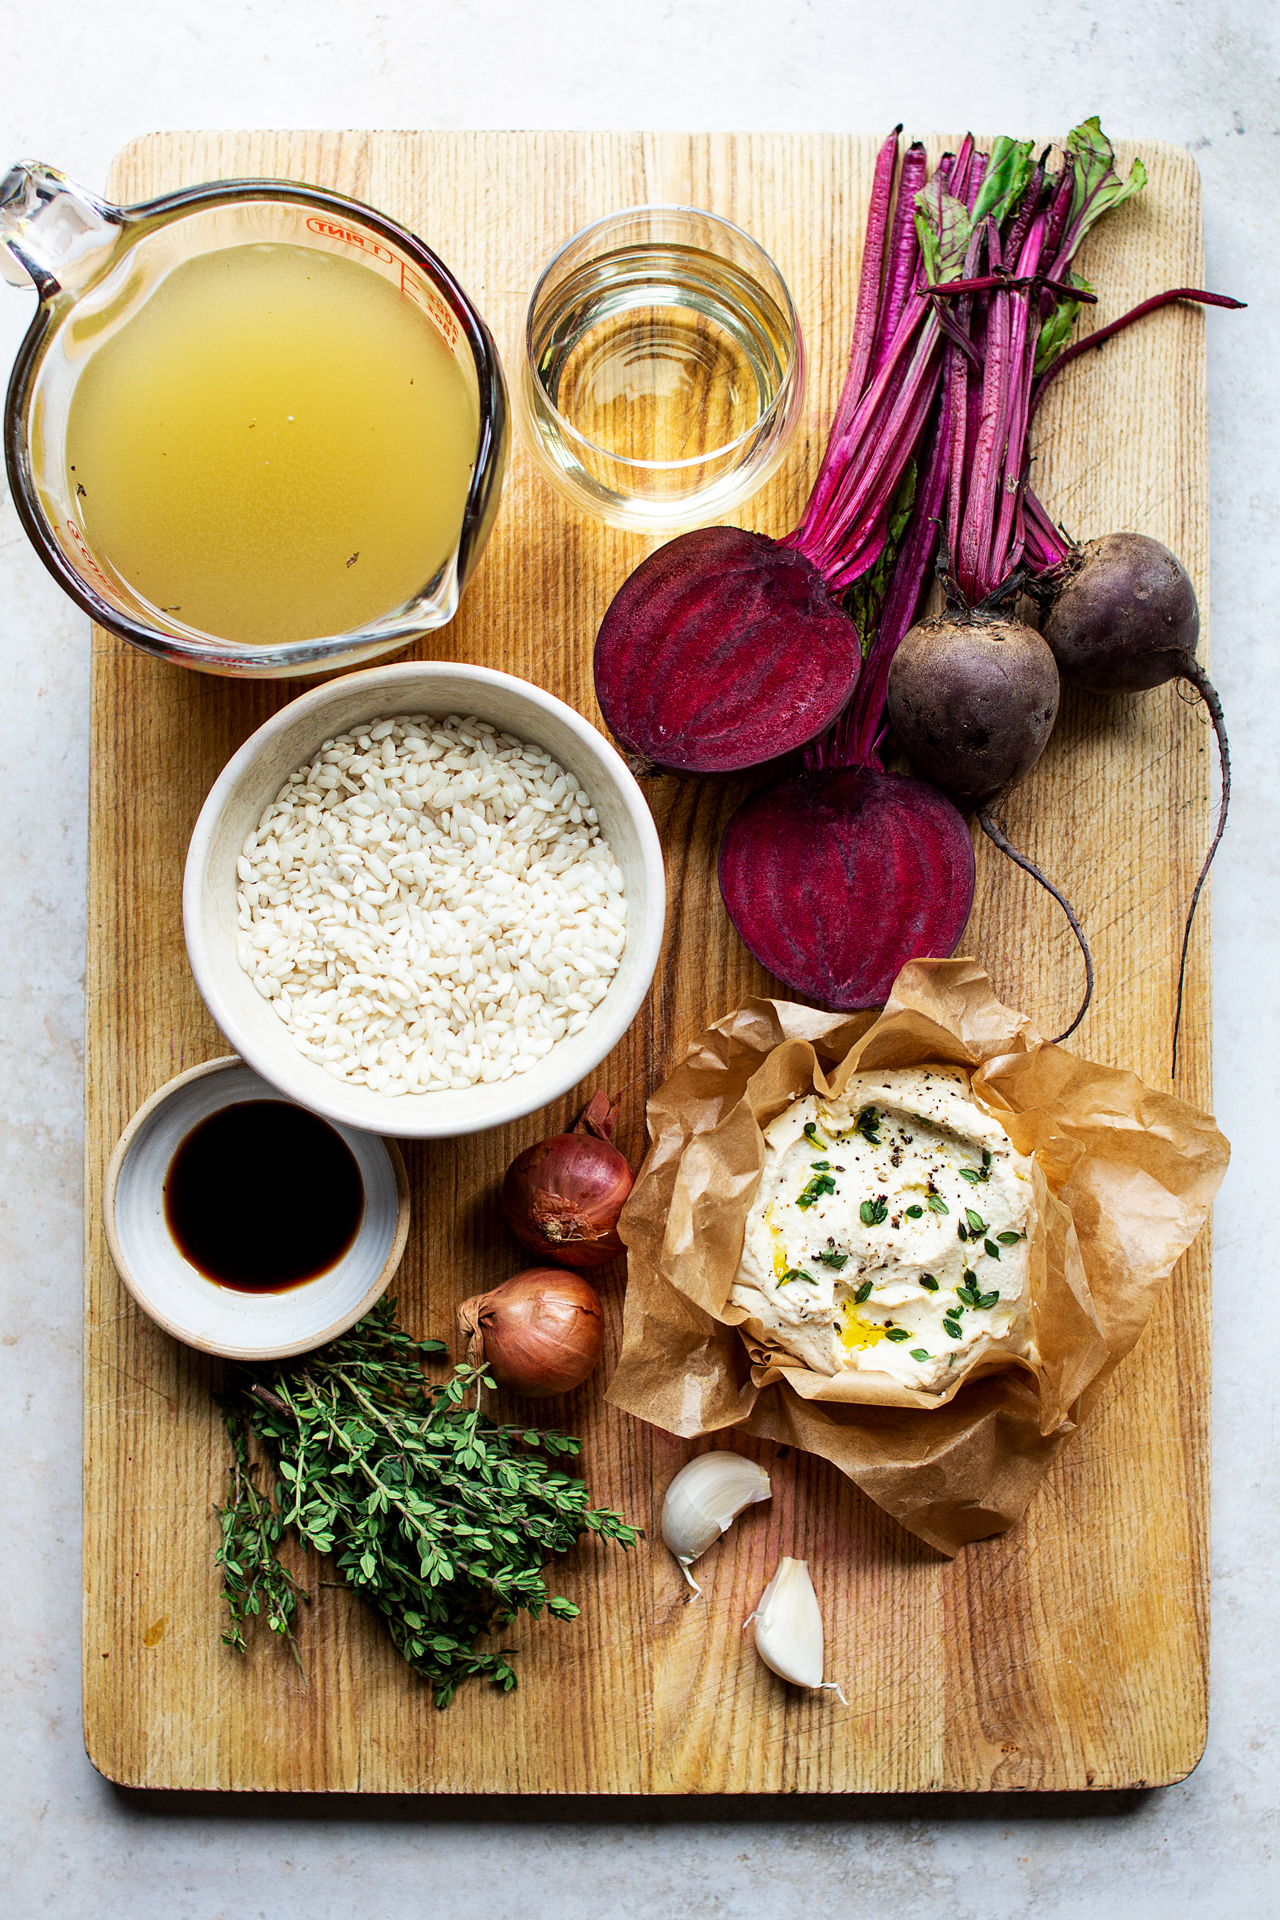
{"x":890,"y":1231}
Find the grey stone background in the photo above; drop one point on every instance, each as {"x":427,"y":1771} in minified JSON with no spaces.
{"x":77,"y":82}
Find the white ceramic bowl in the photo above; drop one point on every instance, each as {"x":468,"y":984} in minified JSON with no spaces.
{"x":242,"y":1326}
{"x":254,"y":776}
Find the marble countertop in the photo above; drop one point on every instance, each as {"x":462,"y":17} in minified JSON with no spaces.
{"x":78,"y":84}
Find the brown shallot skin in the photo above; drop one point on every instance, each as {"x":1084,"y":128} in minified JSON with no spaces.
{"x":540,"y":1333}
{"x":563,"y":1196}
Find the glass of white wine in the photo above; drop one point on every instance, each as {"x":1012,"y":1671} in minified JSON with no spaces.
{"x":664,"y":368}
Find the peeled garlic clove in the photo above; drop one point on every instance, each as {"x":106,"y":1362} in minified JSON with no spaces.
{"x":705,"y":1499}
{"x":789,"y":1627}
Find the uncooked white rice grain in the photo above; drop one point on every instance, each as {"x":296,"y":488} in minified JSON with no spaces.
{"x":429,"y":904}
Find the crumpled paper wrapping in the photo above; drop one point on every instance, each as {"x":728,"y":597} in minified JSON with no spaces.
{"x":1124,"y":1180}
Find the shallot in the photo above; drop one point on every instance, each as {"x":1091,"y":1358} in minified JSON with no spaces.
{"x":539,"y":1333}
{"x":562,"y":1197}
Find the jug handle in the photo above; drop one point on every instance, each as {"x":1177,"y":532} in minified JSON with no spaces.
{"x":51,"y":229}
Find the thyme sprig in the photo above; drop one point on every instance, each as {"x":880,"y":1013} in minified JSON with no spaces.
{"x":439,"y":1518}
{"x":254,"y":1578}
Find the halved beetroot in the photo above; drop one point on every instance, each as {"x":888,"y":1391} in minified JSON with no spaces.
{"x":721,"y":651}
{"x":836,"y":879}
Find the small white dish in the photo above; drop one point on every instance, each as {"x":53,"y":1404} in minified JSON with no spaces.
{"x":242,"y":1326}
{"x":254,"y":776}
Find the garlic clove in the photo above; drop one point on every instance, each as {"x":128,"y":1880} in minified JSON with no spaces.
{"x":705,"y":1499}
{"x":788,"y":1625}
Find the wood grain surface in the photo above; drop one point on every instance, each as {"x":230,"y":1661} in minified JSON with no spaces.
{"x":1069,"y":1653}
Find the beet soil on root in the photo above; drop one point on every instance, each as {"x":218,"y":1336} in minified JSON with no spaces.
{"x":972,"y":700}
{"x":1123,"y":618}
{"x":835,"y":880}
{"x":1122,"y":615}
{"x":721,"y":651}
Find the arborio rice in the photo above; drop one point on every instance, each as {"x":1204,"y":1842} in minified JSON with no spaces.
{"x":429,"y":904}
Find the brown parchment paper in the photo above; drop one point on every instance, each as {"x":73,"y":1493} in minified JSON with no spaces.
{"x":1124,"y":1180}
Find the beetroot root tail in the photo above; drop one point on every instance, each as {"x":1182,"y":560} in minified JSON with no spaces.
{"x":1196,"y":676}
{"x":996,"y":835}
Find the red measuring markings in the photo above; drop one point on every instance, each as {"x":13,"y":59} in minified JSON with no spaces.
{"x":420,"y":291}
{"x":331,"y":231}
{"x":81,"y":546}
{"x":426,"y":296}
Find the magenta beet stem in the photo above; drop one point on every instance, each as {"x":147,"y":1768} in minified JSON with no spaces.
{"x":869,"y":278}
{"x":1045,"y":546}
{"x":862,"y":723}
{"x":988,"y":282}
{"x":1006,"y":548}
{"x":904,"y":253}
{"x":1104,"y":334}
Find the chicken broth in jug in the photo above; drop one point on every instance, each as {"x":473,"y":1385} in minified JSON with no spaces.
{"x":277,"y":446}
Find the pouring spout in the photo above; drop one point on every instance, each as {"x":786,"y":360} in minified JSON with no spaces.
{"x":52,"y":231}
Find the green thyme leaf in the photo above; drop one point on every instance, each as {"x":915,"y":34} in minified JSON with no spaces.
{"x":919,"y":1353}
{"x":441,"y":1520}
{"x":976,"y":1222}
{"x":990,"y":1247}
{"x":820,"y":1184}
{"x":797,"y":1273}
{"x":831,"y":1259}
{"x":896,"y":1333}
{"x":868,"y":1125}
{"x":1009,"y":1239}
{"x":863,"y":1293}
{"x":873,"y":1213}
{"x":952,"y":1328}
{"x":988,"y":1300}
{"x":938,"y":1204}
{"x":968,"y":1173}
{"x":915,"y":1213}
{"x":968,"y":1295}
{"x":928,"y":1282}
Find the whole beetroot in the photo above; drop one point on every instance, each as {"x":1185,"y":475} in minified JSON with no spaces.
{"x":1124,"y":617}
{"x":972,"y":700}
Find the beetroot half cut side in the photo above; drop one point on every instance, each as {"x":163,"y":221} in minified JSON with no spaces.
{"x":835,"y":880}
{"x":723,"y":650}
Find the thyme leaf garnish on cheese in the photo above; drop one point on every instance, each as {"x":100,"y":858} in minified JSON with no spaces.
{"x":820,"y":1184}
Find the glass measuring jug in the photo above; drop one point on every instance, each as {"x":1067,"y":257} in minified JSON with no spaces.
{"x":102,"y":272}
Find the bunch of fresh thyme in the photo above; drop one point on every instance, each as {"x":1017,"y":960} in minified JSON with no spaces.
{"x":440,"y":1519}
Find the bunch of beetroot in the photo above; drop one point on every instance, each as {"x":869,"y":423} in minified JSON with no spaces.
{"x":726,"y":650}
{"x":972,"y":695}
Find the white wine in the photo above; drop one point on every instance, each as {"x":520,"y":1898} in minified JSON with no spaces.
{"x":653,"y":379}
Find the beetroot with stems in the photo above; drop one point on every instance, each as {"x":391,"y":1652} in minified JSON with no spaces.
{"x":836,"y":879}
{"x":724,"y":649}
{"x":972,"y":696}
{"x":1122,"y":617}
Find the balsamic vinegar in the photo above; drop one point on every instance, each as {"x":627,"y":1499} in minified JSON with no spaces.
{"x":262,"y":1196}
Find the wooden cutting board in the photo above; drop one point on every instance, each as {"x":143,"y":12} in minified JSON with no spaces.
{"x":1069,"y":1653}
